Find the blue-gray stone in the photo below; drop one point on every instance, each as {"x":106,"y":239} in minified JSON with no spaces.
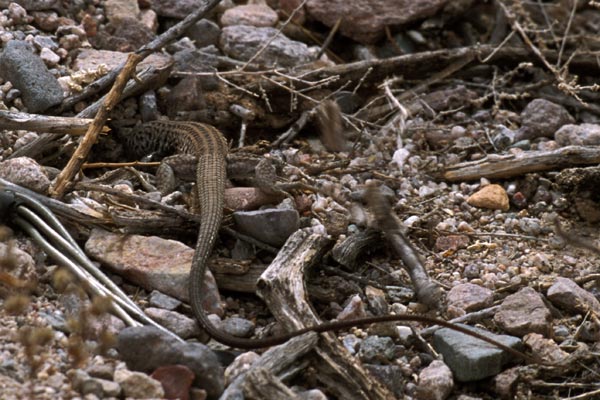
{"x":243,"y":42}
{"x":145,"y":348}
{"x":472,"y":359}
{"x":272,"y":226}
{"x":27,"y":72}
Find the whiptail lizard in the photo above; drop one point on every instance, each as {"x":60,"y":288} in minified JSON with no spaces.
{"x":209,"y":147}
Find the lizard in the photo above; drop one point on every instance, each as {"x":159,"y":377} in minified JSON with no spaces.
{"x":207,"y":145}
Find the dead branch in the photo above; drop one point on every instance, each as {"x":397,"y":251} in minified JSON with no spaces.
{"x":277,"y":360}
{"x":509,"y":165}
{"x":282,"y":288}
{"x":43,"y":123}
{"x":81,"y":153}
{"x":423,"y":65}
{"x":427,"y":291}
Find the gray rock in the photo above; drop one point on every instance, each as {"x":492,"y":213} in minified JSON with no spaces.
{"x":26,"y":172}
{"x":204,"y":33}
{"x":435,"y":381}
{"x":469,"y":358}
{"x":181,"y":325}
{"x":349,"y":102}
{"x":243,"y":42}
{"x":45,"y":42}
{"x":504,"y":137}
{"x":390,"y":375}
{"x":148,"y":106}
{"x":39,"y":88}
{"x":161,"y":300}
{"x":194,"y":60}
{"x":239,"y":327}
{"x":102,"y":371}
{"x":187,"y":95}
{"x":123,"y":34}
{"x":524,"y":312}
{"x":176,"y":8}
{"x":240,"y":365}
{"x":242,"y":250}
{"x":134,"y":342}
{"x":376,"y":349}
{"x":56,"y":320}
{"x":272,"y":226}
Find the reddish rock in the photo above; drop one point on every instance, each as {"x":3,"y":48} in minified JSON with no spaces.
{"x":176,"y":381}
{"x":90,"y":59}
{"x":545,"y":349}
{"x":251,"y":14}
{"x":152,"y":263}
{"x":287,"y":7}
{"x":26,"y":172}
{"x":451,"y":242}
{"x":524,"y":312}
{"x":470,"y":297}
{"x":365,"y":20}
{"x":505,"y":383}
{"x":435,"y":382}
{"x":568,"y":295}
{"x":246,"y":198}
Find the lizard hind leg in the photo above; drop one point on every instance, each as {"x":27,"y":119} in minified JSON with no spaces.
{"x":172,"y":168}
{"x":165,"y":179}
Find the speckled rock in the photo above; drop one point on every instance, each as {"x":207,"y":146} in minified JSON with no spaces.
{"x":242,"y":42}
{"x":153,"y":263}
{"x":435,"y":381}
{"x":176,"y":8}
{"x":26,"y":172}
{"x":541,"y":118}
{"x":578,"y":135}
{"x":545,"y":349}
{"x":121,"y":8}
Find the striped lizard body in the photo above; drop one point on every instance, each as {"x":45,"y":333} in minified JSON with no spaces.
{"x":208,"y":146}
